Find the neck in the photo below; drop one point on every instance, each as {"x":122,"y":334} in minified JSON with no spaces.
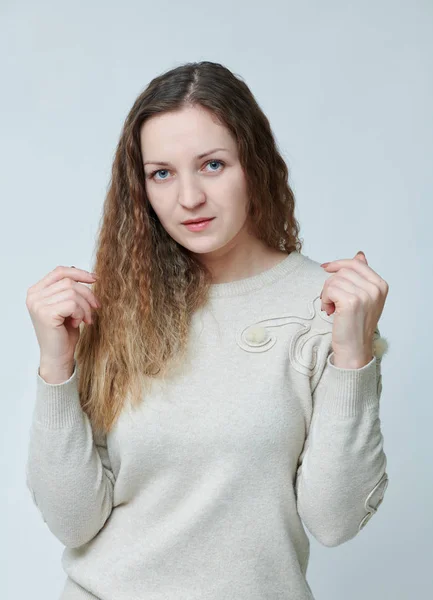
{"x":238,"y":260}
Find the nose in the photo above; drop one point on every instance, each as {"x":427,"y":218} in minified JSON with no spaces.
{"x":190,"y":193}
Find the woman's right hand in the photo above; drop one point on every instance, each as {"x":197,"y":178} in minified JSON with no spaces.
{"x":57,"y":305}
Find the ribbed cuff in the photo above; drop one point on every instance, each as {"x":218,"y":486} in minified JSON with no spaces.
{"x":350,"y":391}
{"x":57,"y":404}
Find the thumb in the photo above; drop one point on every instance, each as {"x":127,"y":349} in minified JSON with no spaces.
{"x":361,"y":256}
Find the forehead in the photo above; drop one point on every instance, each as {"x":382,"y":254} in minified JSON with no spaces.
{"x":192,"y":129}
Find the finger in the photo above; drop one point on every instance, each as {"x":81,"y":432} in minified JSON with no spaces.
{"x":82,"y":310}
{"x":358,"y":266}
{"x":67,"y":283}
{"x":361,"y":256}
{"x":358,"y":280}
{"x":344,"y":288}
{"x":59,"y":273}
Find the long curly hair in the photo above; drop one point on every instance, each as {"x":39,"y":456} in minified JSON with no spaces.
{"x":148,"y":284}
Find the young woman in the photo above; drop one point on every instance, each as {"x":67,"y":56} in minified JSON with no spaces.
{"x":215,"y":385}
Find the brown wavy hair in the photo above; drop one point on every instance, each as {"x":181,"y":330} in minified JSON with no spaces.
{"x":148,"y":284}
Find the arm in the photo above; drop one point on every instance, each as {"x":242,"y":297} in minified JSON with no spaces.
{"x":341,"y":477}
{"x":68,"y":471}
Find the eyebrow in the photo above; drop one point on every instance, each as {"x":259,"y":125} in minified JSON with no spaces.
{"x":159,"y":162}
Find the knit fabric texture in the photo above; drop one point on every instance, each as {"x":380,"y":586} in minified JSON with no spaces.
{"x":205,"y":491}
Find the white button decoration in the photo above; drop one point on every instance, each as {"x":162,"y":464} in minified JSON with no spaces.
{"x":380,"y":346}
{"x":256,"y":334}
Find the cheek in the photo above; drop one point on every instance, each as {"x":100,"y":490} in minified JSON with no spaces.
{"x":156,"y":200}
{"x":163,"y":216}
{"x":234,"y":189}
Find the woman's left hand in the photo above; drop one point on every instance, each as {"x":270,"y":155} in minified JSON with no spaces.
{"x":357,"y":295}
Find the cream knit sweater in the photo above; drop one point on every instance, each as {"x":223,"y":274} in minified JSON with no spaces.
{"x":199,"y":494}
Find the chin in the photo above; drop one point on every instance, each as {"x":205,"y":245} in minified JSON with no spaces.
{"x":202,"y":250}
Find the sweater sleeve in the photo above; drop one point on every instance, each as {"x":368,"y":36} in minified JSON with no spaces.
{"x":68,"y":470}
{"x":341,"y":476}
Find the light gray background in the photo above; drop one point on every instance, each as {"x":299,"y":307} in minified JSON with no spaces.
{"x":348,"y":90}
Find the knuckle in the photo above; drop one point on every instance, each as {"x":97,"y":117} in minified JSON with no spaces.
{"x":354,"y":301}
{"x":71,"y":295}
{"x":375,"y":292}
{"x":364,"y":296}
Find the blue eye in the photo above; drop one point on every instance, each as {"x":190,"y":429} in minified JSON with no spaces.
{"x":215,"y":161}
{"x":159,"y":171}
{"x":152,"y":175}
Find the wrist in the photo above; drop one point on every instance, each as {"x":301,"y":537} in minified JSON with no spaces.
{"x":54,"y":373}
{"x":347,"y":362}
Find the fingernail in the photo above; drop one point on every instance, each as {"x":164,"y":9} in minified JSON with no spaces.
{"x":324,"y":264}
{"x":94,"y":275}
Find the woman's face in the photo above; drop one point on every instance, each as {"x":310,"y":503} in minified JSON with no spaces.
{"x":181,"y":185}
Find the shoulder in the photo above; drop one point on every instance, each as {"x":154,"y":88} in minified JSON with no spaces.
{"x":308,"y":278}
{"x":311,"y":268}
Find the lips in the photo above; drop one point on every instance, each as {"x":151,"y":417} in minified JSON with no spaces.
{"x":198,"y":221}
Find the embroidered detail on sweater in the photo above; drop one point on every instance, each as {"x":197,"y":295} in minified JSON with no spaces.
{"x":372,"y":508}
{"x":262,"y":336}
